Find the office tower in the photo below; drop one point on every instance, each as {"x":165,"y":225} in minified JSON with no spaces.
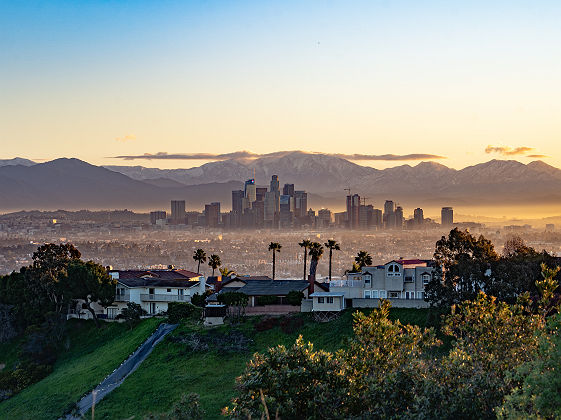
{"x":269,"y":208}
{"x":389,"y":214}
{"x":260,"y":193}
{"x":157,"y":215}
{"x":418,"y":216}
{"x":178,"y":212}
{"x":288,"y":189}
{"x":212,"y":214}
{"x":285,"y":211}
{"x":237,"y":201}
{"x":250,"y":191}
{"x":364,"y":214}
{"x":300,"y":203}
{"x":447,"y":216}
{"x":399,"y":217}
{"x":353,"y":211}
{"x":377,"y":219}
{"x":324,"y":218}
{"x":259,"y":213}
{"x":274,"y":186}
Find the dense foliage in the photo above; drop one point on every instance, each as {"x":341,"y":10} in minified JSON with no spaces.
{"x":179,"y":311}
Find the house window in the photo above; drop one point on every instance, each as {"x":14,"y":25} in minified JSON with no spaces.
{"x":367,"y":279}
{"x":382,"y":294}
{"x":321,"y":300}
{"x":374,"y":294}
{"x":329,"y":299}
{"x":169,"y":290}
{"x":180,"y":292}
{"x":420,"y":295}
{"x":426,"y":279}
{"x":367,"y":294}
{"x":408,"y":279}
{"x":394,"y":295}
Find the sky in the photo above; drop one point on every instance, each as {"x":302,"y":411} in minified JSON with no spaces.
{"x":463,"y":82}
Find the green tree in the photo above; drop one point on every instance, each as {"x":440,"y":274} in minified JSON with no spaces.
{"x":363,"y":259}
{"x":463,"y":268}
{"x":316,"y":252}
{"x":538,"y":396}
{"x":236,"y":303}
{"x":331,"y":245}
{"x":90,"y":283}
{"x":293,"y":383}
{"x":132,"y":313}
{"x":214,"y":262}
{"x":274,"y":247}
{"x":200,"y":256}
{"x":306,"y":243}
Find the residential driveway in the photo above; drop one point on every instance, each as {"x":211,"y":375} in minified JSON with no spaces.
{"x":119,"y":375}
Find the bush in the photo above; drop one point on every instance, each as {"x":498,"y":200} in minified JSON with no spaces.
{"x":267,"y":323}
{"x":294,"y":298}
{"x":178,"y":311}
{"x":200,"y":300}
{"x":132,"y":313}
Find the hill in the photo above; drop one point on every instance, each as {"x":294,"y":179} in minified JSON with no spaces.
{"x":73,"y":184}
{"x":173,"y":368}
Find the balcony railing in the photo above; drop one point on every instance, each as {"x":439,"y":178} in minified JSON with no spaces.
{"x":346,"y":283}
{"x":126,"y":297}
{"x":164,"y":298}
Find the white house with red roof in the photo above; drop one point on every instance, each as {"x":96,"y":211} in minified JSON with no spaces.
{"x":154,"y":289}
{"x":401,"y":281}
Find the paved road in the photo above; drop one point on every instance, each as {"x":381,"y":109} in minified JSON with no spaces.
{"x":119,"y":375}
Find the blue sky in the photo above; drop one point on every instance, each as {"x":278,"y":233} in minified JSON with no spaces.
{"x":96,"y":79}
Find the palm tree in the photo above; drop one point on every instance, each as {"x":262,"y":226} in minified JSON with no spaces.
{"x":274,"y":247}
{"x":316,"y":252}
{"x":226,"y":272}
{"x":214,"y":262}
{"x":306,"y":245}
{"x":331,"y":244}
{"x":199,"y":256}
{"x":362,"y":259}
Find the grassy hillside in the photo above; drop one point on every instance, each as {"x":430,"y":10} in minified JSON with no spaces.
{"x":92,"y":354}
{"x":173,"y":368}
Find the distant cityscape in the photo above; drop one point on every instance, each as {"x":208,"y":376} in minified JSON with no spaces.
{"x":259,"y":207}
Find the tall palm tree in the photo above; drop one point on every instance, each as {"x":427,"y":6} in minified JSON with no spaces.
{"x":331,"y":244}
{"x":214,"y":262}
{"x":362,"y":259}
{"x":306,"y":245}
{"x":316,"y":252}
{"x":200,"y":256}
{"x":274,"y":247}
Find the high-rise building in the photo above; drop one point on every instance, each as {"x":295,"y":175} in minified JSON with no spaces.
{"x":324,"y":218}
{"x":353,"y":211}
{"x":212,"y":214}
{"x":250,"y":191}
{"x":178,"y":212}
{"x":269,"y":208}
{"x":274,"y":186}
{"x":237,"y":201}
{"x":418,"y":216}
{"x":389,"y":214}
{"x":260,"y":193}
{"x":157,"y":215}
{"x":285,"y":211}
{"x":447,"y":216}
{"x":377,"y":219}
{"x":399,"y":217}
{"x":300,"y":203}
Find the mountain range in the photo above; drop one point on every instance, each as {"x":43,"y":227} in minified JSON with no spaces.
{"x":74,"y":184}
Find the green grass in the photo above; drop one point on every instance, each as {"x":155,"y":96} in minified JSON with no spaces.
{"x":171,"y":371}
{"x":92,"y":354}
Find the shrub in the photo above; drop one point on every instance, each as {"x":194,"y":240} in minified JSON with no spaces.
{"x":294,"y":298}
{"x":132,"y":313}
{"x":178,"y":311}
{"x":266,"y":324}
{"x":267,"y":300}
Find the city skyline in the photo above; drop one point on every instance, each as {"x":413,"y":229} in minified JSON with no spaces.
{"x":464,"y":81}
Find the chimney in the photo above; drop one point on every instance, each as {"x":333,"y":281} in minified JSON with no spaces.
{"x":311,"y":281}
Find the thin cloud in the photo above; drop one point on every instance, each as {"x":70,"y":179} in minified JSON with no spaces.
{"x":537,"y":156}
{"x":508,"y":151}
{"x":128,"y":137}
{"x":244,"y":154}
